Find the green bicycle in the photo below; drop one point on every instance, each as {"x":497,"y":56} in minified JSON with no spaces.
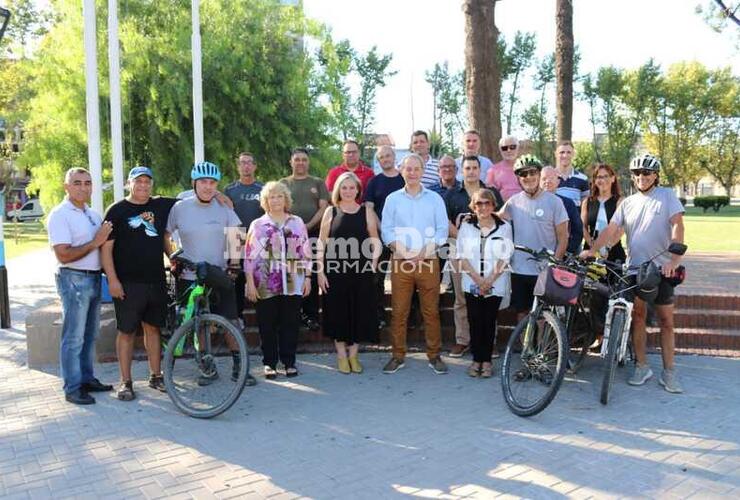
{"x":198,"y":350}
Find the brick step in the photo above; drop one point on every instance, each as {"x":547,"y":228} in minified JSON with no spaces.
{"x":699,"y":338}
{"x":723,"y":302}
{"x":707,"y":318}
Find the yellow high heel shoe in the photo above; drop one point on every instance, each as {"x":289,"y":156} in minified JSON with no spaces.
{"x":354,"y":364}
{"x":343,"y":365}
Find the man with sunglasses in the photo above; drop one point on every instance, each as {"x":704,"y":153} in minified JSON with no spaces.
{"x":652,"y":218}
{"x":539,"y":220}
{"x":501,"y":175}
{"x":76,"y":233}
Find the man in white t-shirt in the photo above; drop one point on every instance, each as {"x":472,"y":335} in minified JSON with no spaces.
{"x":652,"y":219}
{"x":76,"y":233}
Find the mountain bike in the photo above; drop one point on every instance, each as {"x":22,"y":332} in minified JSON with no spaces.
{"x":642,"y":279}
{"x":534,"y":362}
{"x":197,"y":351}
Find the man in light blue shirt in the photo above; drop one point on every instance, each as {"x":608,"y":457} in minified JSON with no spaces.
{"x":414,"y":225}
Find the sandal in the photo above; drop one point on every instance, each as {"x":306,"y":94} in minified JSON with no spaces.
{"x":486,"y":370}
{"x":291,"y":372}
{"x":474,"y":369}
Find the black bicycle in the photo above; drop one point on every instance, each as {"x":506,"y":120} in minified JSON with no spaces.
{"x":197,"y":353}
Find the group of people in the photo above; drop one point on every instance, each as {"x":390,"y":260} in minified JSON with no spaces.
{"x":304,"y":245}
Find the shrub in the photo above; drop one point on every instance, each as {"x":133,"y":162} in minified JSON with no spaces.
{"x":713,"y":202}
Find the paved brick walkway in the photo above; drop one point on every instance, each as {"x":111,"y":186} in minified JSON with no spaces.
{"x":711,"y":274}
{"x":411,"y":434}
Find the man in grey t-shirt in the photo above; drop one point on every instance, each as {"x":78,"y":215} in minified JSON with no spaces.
{"x":652,"y":218}
{"x":539,"y":220}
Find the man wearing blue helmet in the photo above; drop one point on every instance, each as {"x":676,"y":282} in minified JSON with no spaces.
{"x":208,"y":232}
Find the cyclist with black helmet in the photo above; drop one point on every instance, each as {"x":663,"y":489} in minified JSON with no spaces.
{"x":208,"y":232}
{"x":539,"y":220}
{"x":652,"y":218}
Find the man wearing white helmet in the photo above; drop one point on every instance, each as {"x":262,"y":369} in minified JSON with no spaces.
{"x":652,"y":218}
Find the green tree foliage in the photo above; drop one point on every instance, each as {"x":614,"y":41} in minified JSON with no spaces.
{"x":683,"y":117}
{"x":540,"y":128}
{"x":448,"y":88}
{"x":373,"y":71}
{"x":262,"y":91}
{"x":514,"y":62}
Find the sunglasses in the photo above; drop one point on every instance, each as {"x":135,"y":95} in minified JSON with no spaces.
{"x":482,"y":203}
{"x":528,"y":173}
{"x":642,"y":172}
{"x":510,"y":147}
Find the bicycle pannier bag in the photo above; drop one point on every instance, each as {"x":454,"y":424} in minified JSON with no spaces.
{"x":558,"y":286}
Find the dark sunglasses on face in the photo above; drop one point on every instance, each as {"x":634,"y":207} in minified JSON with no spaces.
{"x":482,"y":203}
{"x":528,"y":173}
{"x":510,"y":147}
{"x":642,"y":172}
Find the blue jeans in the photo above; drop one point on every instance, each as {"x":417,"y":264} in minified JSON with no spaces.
{"x":80,"y":294}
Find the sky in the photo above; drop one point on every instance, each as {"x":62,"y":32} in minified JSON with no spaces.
{"x":420,"y":33}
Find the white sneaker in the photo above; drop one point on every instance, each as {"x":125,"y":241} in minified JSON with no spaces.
{"x":642,"y":374}
{"x":669,"y":380}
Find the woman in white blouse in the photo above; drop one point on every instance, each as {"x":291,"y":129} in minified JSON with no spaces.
{"x":484,"y":247}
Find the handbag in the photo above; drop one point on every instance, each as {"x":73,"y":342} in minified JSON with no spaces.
{"x":558,"y":286}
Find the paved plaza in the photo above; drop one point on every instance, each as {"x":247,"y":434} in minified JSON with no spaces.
{"x":325,"y":435}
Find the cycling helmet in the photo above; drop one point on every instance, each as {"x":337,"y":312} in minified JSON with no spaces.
{"x":205,"y":170}
{"x":647,"y":281}
{"x":645,"y":162}
{"x":526,"y":162}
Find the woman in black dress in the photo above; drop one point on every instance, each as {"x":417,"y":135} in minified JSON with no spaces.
{"x":349,"y":249}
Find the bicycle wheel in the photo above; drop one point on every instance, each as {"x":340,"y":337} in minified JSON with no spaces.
{"x":210,"y":374}
{"x":610,"y":363}
{"x":580,"y":337}
{"x":534,"y":364}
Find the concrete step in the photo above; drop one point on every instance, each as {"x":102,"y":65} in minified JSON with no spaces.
{"x":700,"y":338}
{"x":707,"y":318}
{"x":721,"y":302}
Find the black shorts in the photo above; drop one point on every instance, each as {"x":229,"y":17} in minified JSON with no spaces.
{"x":222,"y":299}
{"x":522,"y":291}
{"x":143,"y":302}
{"x":665,"y":294}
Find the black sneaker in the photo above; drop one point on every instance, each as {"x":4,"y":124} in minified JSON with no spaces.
{"x":125,"y":391}
{"x":208,"y":371}
{"x":251,"y":381}
{"x":96,"y":385}
{"x":79,"y":397}
{"x":157,"y":382}
{"x":312,"y":325}
{"x":236,"y":366}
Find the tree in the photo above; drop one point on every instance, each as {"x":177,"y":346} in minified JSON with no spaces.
{"x":28,"y":23}
{"x":720,"y":15}
{"x":262,"y":91}
{"x":515,"y":62}
{"x":682,"y":118}
{"x":449,"y":96}
{"x":373,"y":71}
{"x":564,"y":54}
{"x":336,"y":63}
{"x":721,"y":153}
{"x":482,"y":73}
{"x":535,"y":118}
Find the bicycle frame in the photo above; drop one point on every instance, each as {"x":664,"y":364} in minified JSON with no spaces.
{"x":625,"y":305}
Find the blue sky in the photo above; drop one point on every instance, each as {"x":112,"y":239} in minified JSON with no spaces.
{"x":419,"y":33}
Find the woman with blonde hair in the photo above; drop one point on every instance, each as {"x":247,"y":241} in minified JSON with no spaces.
{"x":277,"y":266}
{"x":348,"y":253}
{"x":484,"y":247}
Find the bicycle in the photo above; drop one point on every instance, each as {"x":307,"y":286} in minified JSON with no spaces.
{"x":203,"y":337}
{"x":535,"y":356}
{"x":645,"y":276}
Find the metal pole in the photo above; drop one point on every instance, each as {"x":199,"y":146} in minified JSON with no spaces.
{"x":4,"y":296}
{"x":93,"y":113}
{"x":198,"y":152}
{"x":114,"y":63}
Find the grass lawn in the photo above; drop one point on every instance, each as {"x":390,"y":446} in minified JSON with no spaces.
{"x":23,"y":237}
{"x":713,"y":231}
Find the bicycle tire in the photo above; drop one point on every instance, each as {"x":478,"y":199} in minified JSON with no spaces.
{"x":169,"y":360}
{"x":581,"y":324}
{"x":519,"y":407}
{"x":610,"y":363}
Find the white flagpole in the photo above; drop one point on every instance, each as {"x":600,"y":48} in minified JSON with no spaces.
{"x":197,"y":85}
{"x":93,"y":113}
{"x":114,"y":63}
